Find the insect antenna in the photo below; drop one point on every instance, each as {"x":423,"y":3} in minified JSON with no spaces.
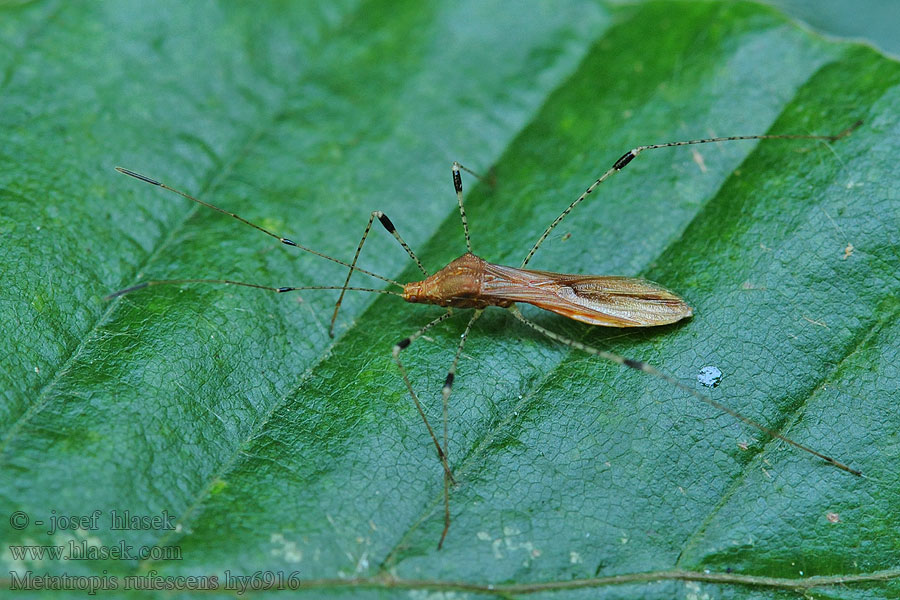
{"x":145,"y":284}
{"x":281,"y":239}
{"x":631,"y":154}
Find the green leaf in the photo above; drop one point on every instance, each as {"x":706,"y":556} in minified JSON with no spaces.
{"x":874,"y":21}
{"x":275,"y":448}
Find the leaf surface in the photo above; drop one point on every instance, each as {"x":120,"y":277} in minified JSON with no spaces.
{"x":276,"y":448}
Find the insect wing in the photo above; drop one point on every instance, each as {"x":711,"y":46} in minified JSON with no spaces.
{"x":598,"y":300}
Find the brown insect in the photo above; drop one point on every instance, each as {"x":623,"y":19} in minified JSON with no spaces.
{"x":472,"y":282}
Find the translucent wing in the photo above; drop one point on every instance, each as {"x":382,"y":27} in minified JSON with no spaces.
{"x":605,"y":301}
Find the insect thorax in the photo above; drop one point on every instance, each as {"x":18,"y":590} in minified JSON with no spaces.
{"x":458,"y":284}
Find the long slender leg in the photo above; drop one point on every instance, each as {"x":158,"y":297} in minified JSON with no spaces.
{"x":386,"y":222}
{"x":457,"y":185}
{"x":651,"y":370}
{"x":445,"y":393}
{"x":451,"y":374}
{"x":398,"y":348}
{"x":631,"y":154}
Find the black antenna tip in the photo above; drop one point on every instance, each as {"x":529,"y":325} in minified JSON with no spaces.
{"x":133,"y":288}
{"x":144,"y":178}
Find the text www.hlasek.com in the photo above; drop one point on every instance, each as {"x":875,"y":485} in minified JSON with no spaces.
{"x":82,"y":550}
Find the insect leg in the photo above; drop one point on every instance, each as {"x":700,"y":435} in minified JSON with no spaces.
{"x":399,"y":347}
{"x":445,"y":393}
{"x":457,"y":185}
{"x":651,"y":370}
{"x":631,"y":154}
{"x":386,"y":222}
